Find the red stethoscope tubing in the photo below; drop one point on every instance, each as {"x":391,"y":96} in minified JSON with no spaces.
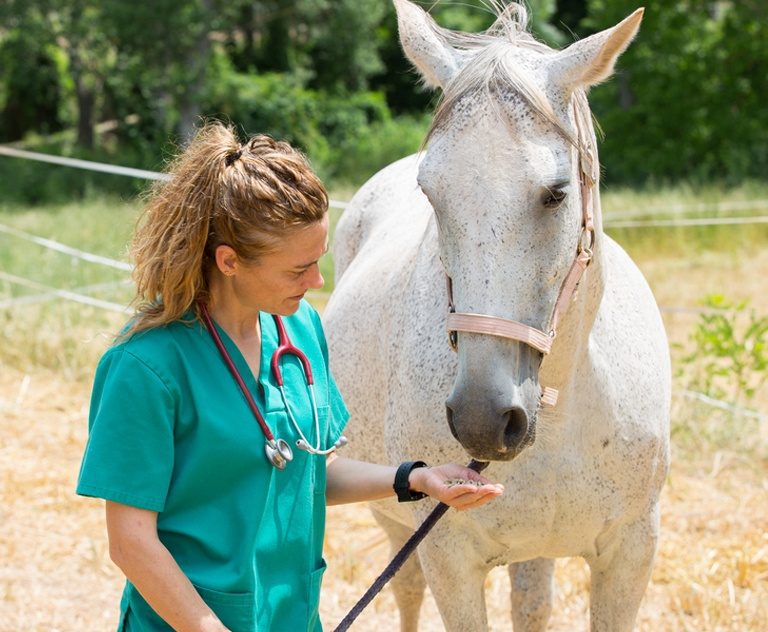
{"x":235,"y":373}
{"x":286,"y":346}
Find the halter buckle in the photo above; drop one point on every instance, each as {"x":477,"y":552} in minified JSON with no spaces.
{"x":587,"y":242}
{"x":453,"y":335}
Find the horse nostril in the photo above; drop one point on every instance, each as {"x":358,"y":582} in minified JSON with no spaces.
{"x":516,"y":428}
{"x":449,"y":417}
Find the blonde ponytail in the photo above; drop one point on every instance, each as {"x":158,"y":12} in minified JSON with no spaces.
{"x":219,"y":192}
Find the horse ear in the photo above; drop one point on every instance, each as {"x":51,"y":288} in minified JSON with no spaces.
{"x":590,"y":61}
{"x":424,"y":44}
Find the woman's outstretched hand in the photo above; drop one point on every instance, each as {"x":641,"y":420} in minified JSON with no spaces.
{"x":455,"y":485}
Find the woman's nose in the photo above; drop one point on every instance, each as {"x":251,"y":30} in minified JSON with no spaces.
{"x":317,"y":281}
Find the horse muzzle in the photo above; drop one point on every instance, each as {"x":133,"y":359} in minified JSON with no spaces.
{"x":492,"y":428}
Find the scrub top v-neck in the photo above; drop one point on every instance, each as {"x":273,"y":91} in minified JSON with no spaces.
{"x":170,"y":431}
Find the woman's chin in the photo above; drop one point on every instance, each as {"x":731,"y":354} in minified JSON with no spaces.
{"x":290,"y":306}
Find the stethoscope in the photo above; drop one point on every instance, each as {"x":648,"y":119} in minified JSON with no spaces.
{"x":277,"y":450}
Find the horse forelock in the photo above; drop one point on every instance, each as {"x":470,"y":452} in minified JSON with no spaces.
{"x":511,"y":24}
{"x":490,"y":73}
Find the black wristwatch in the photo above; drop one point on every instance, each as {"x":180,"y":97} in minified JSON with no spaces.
{"x":404,"y":493}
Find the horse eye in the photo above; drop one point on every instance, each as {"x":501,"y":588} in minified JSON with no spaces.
{"x":553,"y":198}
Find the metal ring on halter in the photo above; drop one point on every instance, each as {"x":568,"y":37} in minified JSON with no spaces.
{"x":587,"y":246}
{"x":453,"y":336}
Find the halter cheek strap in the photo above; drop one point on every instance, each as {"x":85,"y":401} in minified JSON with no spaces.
{"x":536,"y":338}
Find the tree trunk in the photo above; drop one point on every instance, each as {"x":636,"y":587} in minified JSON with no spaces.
{"x":85,"y":113}
{"x":189,"y":114}
{"x":248,"y":26}
{"x":275,"y":47}
{"x":86,"y":101}
{"x":197,"y":62}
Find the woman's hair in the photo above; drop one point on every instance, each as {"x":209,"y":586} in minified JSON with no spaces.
{"x":246,"y":196}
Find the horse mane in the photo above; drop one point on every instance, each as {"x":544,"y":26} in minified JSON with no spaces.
{"x":491,"y":72}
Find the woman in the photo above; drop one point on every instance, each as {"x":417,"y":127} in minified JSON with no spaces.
{"x":216,"y":478}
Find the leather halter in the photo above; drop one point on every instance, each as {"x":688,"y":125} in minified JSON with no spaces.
{"x":537,"y":338}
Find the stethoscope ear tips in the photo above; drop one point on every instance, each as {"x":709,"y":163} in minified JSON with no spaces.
{"x":303,"y":445}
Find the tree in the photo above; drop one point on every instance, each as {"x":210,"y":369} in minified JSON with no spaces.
{"x":568,"y":17}
{"x":398,"y":81}
{"x":344,"y":44}
{"x":739,"y":101}
{"x":32,"y":86}
{"x":72,"y":26}
{"x":163,"y":56}
{"x":688,"y":100}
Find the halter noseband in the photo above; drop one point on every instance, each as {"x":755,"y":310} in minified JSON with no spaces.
{"x":536,"y":338}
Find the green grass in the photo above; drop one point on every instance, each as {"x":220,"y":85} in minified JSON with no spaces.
{"x":67,"y":336}
{"x":658,"y":202}
{"x":59,"y":334}
{"x":685,"y":202}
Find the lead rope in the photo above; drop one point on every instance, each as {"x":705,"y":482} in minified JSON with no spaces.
{"x":399,"y":559}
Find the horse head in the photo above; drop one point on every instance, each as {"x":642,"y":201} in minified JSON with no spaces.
{"x":509,"y":170}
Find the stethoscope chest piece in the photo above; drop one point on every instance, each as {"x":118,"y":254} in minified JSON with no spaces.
{"x":278,"y":453}
{"x":277,"y":450}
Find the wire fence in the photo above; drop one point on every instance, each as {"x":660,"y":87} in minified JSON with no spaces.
{"x":65,"y":294}
{"x":53,"y":293}
{"x":90,"y":165}
{"x":726,"y":206}
{"x":83,"y":295}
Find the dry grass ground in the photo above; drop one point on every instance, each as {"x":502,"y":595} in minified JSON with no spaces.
{"x":711,"y":574}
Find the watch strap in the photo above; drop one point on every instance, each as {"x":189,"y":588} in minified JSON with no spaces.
{"x":401,"y":487}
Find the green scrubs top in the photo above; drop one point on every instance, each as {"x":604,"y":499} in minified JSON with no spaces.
{"x":170,"y":431}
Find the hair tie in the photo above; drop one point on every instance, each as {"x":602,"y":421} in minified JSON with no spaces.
{"x":232,"y":157}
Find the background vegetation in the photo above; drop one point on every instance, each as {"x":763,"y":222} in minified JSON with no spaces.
{"x":711,"y":573}
{"x":686,"y":130}
{"x":124,"y":82}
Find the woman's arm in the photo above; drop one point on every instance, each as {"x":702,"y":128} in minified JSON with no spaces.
{"x":352,"y":481}
{"x":135,"y":548}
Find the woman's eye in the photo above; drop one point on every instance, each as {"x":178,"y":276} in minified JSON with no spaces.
{"x":553,"y":198}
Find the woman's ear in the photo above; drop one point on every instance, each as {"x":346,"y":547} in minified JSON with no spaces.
{"x":226,"y":260}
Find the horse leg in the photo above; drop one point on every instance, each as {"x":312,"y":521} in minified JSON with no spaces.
{"x":456,"y":576}
{"x":620,"y":574}
{"x":408,"y":583}
{"x":532,"y":591}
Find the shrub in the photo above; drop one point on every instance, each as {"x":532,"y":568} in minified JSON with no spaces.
{"x":729,"y":360}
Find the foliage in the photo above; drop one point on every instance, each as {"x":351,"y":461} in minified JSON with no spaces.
{"x":32,"y":88}
{"x":381,"y":143}
{"x":728,"y":361}
{"x":344,"y":47}
{"x":687,"y":102}
{"x":161,"y":56}
{"x":323,"y":124}
{"x":33,"y":182}
{"x":688,"y":99}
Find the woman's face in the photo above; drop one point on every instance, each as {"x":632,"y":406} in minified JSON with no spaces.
{"x":278,"y":281}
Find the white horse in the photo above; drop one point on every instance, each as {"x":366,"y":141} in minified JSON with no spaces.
{"x":505,"y":204}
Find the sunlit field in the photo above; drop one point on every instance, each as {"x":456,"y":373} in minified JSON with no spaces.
{"x":711,"y":573}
